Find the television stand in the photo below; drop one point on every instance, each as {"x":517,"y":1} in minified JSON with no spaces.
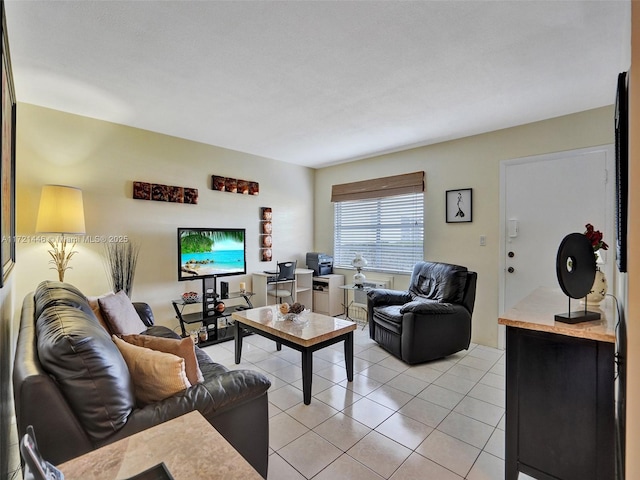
{"x":218,"y":324}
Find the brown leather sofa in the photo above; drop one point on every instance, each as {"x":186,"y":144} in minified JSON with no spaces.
{"x":72,"y":384}
{"x":430,"y":320}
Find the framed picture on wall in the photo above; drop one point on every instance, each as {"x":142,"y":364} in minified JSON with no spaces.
{"x":7,"y":162}
{"x":459,"y":205}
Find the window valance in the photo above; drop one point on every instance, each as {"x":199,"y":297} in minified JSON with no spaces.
{"x":379,"y":187}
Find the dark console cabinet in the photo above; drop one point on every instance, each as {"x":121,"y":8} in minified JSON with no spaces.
{"x":560,"y":411}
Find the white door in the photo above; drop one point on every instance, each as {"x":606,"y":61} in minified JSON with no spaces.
{"x":543,"y":199}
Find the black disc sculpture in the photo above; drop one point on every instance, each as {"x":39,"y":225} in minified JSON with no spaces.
{"x":576,"y":270}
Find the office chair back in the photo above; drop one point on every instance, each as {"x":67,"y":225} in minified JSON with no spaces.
{"x":287,"y":271}
{"x":286,"y":275}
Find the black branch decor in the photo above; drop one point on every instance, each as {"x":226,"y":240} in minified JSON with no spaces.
{"x":121,"y":261}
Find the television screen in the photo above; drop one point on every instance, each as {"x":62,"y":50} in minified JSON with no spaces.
{"x":211,"y":252}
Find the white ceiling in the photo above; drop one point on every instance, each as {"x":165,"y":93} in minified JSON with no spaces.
{"x":319,"y":82}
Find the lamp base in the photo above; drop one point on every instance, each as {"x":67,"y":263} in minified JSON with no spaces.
{"x":359,"y":278}
{"x":577,"y":317}
{"x":60,"y":257}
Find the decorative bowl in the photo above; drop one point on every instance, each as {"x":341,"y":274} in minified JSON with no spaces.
{"x":294,"y":317}
{"x":190,"y":297}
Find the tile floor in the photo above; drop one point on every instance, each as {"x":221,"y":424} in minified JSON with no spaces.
{"x":442,"y":420}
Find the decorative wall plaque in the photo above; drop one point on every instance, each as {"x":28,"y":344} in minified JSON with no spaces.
{"x":234,"y":185}
{"x":266,"y":230}
{"x":164,"y":193}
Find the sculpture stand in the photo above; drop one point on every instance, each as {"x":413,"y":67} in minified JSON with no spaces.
{"x":577,"y":316}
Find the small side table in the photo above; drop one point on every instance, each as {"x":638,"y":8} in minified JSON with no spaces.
{"x":188,"y":445}
{"x":346,"y":304}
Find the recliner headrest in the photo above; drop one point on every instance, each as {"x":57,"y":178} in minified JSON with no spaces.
{"x":442,"y":282}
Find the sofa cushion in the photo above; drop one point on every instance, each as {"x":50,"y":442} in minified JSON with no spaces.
{"x":442,"y":282}
{"x":156,"y":375}
{"x":95,"y":307}
{"x":50,"y":293}
{"x":390,"y":313}
{"x":208,"y":366}
{"x":428,"y":307}
{"x":79,"y":354}
{"x":120,"y":314}
{"x":183,"y":348}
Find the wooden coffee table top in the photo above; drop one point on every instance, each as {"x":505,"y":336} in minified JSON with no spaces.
{"x":314,"y":327}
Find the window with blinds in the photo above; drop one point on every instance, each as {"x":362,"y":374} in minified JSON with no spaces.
{"x":388,"y":231}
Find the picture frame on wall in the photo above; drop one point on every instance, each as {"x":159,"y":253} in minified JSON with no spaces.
{"x":459,"y":205}
{"x":7,"y":161}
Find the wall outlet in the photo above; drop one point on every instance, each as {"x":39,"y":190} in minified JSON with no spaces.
{"x":483,"y":240}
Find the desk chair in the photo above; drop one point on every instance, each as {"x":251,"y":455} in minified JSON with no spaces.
{"x":286,"y":275}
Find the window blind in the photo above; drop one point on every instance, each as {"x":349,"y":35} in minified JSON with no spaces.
{"x":388,"y":231}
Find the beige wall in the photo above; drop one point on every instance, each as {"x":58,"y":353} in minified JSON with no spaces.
{"x":103,"y":159}
{"x":469,"y":162}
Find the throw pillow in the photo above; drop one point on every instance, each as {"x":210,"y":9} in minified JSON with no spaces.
{"x":120,"y":314}
{"x":95,"y":306}
{"x":156,"y":375}
{"x":183,"y":348}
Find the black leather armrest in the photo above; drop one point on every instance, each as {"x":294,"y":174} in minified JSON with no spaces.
{"x":145,"y":313}
{"x":216,"y":395}
{"x":235,"y":387}
{"x":381,"y":296}
{"x":427,"y":307}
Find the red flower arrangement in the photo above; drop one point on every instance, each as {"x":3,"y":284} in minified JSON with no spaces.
{"x":595,"y":237}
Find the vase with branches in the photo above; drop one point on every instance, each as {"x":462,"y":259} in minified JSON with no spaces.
{"x":600,"y":285}
{"x":121,"y":260}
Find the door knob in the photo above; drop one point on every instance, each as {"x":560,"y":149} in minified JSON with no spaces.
{"x":511,"y":269}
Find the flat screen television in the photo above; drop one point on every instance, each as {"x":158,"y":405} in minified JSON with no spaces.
{"x":211,"y":252}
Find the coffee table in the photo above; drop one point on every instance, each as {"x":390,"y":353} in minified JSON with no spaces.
{"x":316,"y":331}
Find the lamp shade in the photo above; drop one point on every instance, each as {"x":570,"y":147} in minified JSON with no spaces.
{"x":359,"y":261}
{"x":61,"y":210}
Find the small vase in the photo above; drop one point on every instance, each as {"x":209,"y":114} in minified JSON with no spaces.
{"x":598,"y":290}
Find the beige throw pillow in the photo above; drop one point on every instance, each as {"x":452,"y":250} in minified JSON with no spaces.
{"x":183,"y":348}
{"x":120,"y":314}
{"x":156,"y":375}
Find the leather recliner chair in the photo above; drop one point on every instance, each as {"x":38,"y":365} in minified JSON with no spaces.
{"x":430,"y":320}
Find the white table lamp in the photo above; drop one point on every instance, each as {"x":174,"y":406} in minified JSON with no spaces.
{"x":359,"y":262}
